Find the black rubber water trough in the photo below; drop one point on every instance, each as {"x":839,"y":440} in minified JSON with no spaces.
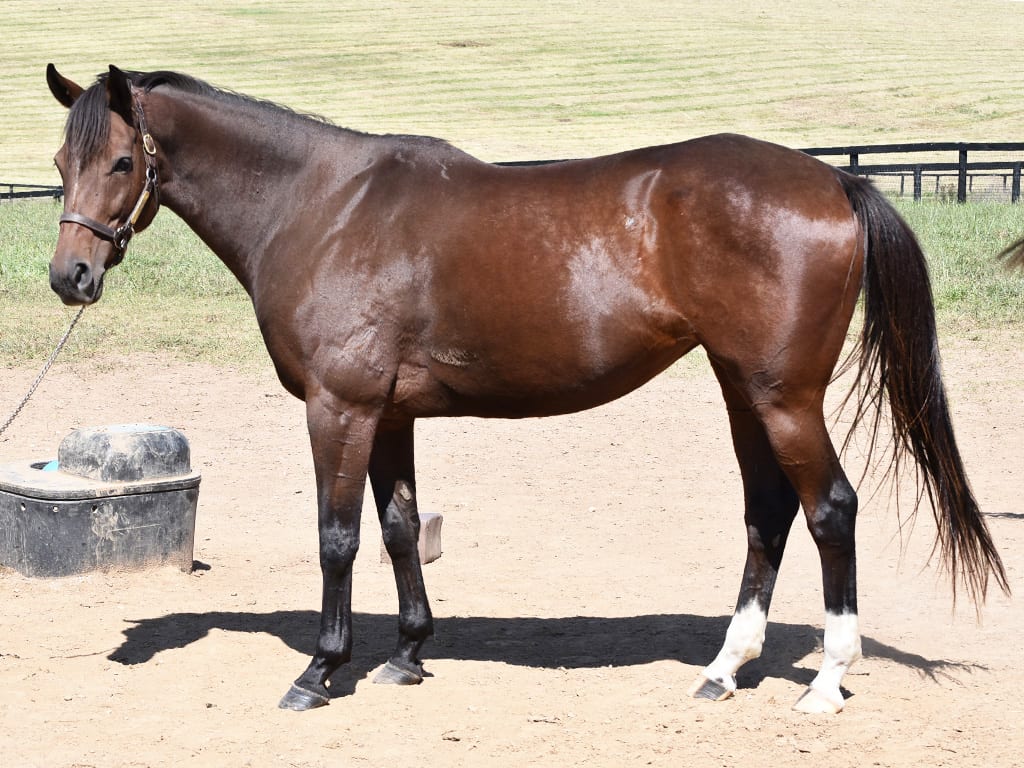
{"x":117,"y":498}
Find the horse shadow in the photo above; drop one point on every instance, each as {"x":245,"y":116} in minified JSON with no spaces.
{"x":575,"y":642}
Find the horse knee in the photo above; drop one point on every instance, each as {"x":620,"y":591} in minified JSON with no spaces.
{"x":338,"y":548}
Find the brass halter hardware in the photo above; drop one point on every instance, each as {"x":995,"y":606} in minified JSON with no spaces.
{"x":122,"y":235}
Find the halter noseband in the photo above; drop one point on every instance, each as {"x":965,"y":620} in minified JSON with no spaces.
{"x":121,"y":236}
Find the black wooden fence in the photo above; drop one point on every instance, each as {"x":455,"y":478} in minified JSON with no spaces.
{"x":1006,"y":169}
{"x":963,"y":171}
{"x":22,"y":191}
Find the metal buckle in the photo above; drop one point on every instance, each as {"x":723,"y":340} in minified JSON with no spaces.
{"x":122,"y":237}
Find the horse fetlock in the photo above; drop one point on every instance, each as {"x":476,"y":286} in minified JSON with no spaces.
{"x":329,"y":656}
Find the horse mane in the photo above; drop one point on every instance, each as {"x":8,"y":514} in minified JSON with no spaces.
{"x":88,"y":125}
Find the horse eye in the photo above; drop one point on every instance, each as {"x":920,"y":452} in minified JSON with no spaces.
{"x":124,"y":165}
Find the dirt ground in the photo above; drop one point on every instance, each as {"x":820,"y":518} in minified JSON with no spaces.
{"x":590,"y":566}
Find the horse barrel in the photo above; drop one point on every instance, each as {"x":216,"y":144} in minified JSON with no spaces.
{"x":118,"y":497}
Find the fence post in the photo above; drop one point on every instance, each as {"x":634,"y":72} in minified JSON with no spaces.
{"x":854,"y":162}
{"x":1015,"y":186}
{"x":917,"y":184}
{"x":961,"y":182}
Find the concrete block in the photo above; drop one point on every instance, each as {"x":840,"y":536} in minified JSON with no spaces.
{"x":430,"y":539}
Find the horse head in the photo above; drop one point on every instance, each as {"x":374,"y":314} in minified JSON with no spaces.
{"x":108,"y":167}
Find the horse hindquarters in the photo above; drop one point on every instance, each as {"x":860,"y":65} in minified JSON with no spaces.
{"x":774,"y":348}
{"x":899,"y":362}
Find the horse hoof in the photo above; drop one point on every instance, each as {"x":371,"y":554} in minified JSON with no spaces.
{"x":712,"y":690}
{"x":814,"y":702}
{"x":300,"y":699}
{"x":398,"y":673}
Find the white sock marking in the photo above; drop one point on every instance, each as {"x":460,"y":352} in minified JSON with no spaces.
{"x":743,"y":642}
{"x":842,"y":649}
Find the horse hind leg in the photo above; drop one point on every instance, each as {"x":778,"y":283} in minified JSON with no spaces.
{"x":770,"y":506}
{"x":805,"y":452}
{"x":786,"y":456}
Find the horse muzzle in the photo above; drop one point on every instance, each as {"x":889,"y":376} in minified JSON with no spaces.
{"x":78,"y":283}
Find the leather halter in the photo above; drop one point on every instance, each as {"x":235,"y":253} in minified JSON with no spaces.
{"x":122,"y":235}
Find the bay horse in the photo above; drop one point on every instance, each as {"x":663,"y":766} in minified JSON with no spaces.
{"x":397,"y":278}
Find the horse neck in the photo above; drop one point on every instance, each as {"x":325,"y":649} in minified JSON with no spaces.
{"x":230,"y":170}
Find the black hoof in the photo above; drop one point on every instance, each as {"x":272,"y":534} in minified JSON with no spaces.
{"x":300,"y":699}
{"x":400,"y":673}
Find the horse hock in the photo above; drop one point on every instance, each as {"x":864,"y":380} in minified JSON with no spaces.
{"x":117,"y":498}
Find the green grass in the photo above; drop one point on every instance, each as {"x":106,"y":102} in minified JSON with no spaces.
{"x":171,"y":295}
{"x":972,"y":289}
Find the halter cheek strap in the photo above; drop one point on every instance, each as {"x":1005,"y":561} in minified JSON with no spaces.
{"x":121,"y":236}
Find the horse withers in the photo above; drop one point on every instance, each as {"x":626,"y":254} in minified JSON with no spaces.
{"x":397,"y":278}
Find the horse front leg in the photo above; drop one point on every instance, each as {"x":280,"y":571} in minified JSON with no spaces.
{"x":341,"y":436}
{"x":392,"y":478}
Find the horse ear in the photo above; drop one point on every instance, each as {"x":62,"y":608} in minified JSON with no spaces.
{"x":64,"y":90}
{"x":119,"y":94}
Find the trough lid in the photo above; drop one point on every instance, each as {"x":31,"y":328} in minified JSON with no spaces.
{"x":27,"y":478}
{"x":125,"y":452}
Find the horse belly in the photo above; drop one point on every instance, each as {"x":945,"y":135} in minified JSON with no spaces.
{"x":550,"y":376}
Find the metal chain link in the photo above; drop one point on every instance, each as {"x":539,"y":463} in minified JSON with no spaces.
{"x":42,"y":373}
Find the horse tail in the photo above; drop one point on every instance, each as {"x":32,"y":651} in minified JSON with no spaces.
{"x":1014,"y":254}
{"x":898,"y":365}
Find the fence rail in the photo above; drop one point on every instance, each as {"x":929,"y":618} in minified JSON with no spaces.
{"x":23,"y":191}
{"x":962,"y":170}
{"x":965,"y":172}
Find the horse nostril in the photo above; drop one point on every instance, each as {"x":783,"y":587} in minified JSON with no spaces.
{"x":81,"y":277}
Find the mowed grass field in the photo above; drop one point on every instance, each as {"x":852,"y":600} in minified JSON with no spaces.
{"x":507,"y":82}
{"x":551,"y":78}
